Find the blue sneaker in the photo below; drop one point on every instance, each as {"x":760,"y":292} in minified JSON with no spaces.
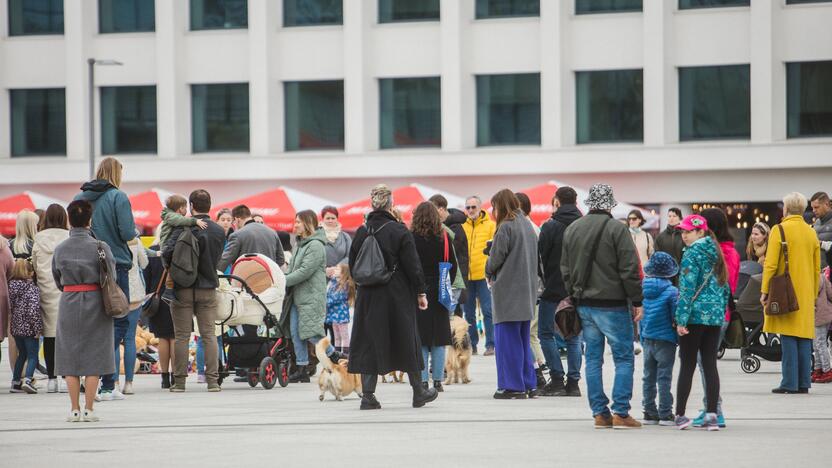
{"x":699,"y":421}
{"x":720,"y":420}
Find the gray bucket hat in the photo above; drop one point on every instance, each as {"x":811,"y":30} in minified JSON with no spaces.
{"x":601,"y":198}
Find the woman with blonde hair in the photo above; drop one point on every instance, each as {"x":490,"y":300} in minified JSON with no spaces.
{"x":112,"y":224}
{"x":511,"y":271}
{"x":758,"y":243}
{"x":796,"y":329}
{"x":25,"y":229}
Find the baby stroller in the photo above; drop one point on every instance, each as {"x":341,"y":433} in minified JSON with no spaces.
{"x":756,"y":343}
{"x":248,"y":299}
{"x":747,"y":270}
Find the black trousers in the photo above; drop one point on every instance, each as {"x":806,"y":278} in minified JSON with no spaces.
{"x":49,"y":355}
{"x":705,"y":340}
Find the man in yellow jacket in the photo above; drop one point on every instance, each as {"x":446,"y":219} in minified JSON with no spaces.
{"x":479,"y":229}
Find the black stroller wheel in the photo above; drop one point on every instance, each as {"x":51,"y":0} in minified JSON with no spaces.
{"x":253,"y":378}
{"x":268,"y":373}
{"x":721,"y":352}
{"x":750,"y":364}
{"x":283,"y":373}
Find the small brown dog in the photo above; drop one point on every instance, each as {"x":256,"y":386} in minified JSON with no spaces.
{"x":395,"y":376}
{"x":334,"y":376}
{"x":459,"y":353}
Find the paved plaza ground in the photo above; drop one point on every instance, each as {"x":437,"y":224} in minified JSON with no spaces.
{"x":464,"y":427}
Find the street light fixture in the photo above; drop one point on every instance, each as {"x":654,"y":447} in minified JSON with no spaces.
{"x":91,"y":63}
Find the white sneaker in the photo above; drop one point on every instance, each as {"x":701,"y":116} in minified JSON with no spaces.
{"x":28,"y":386}
{"x":52,"y":386}
{"x":103,"y":395}
{"x":128,"y":388}
{"x":636,"y":348}
{"x":200,"y":379}
{"x":89,"y":416}
{"x":74,"y":416}
{"x":117,"y":395}
{"x":62,"y":386}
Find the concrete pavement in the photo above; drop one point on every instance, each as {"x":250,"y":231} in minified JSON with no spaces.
{"x":464,"y":427}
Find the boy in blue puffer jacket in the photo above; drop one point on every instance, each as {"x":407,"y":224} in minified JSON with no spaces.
{"x":659,"y":338}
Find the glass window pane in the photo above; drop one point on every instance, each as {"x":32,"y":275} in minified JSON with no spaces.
{"x":507,"y":8}
{"x":508,"y":109}
{"x":128,"y":119}
{"x":407,"y":10}
{"x":714,"y":102}
{"x":38,"y":122}
{"x":312,"y":12}
{"x":411,"y":113}
{"x":34,"y":17}
{"x":606,"y":6}
{"x":794,"y":2}
{"x":809,"y":99}
{"x":609,"y":106}
{"x":219,"y":117}
{"x":219,"y":14}
{"x":117,"y":16}
{"x":688,"y":4}
{"x":314,"y":115}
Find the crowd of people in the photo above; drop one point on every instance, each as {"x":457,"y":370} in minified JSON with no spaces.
{"x":661,"y":297}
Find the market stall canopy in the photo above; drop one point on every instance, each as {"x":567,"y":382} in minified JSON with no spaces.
{"x":147,"y":208}
{"x":278,"y":207}
{"x":541,"y":198}
{"x":12,"y":205}
{"x":405,"y":199}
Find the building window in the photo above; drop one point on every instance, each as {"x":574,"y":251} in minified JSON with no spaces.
{"x":35,"y":17}
{"x":796,"y":2}
{"x":219,"y":14}
{"x":312,"y":12}
{"x":219,"y":114}
{"x":693,"y":4}
{"x":314,"y":115}
{"x":714,"y":102}
{"x":38,"y":122}
{"x":391,"y":11}
{"x":128,"y":119}
{"x":119,"y":16}
{"x":809,"y":99}
{"x":609,"y":106}
{"x":507,"y":8}
{"x":508,"y":109}
{"x":583,"y":7}
{"x":411,"y":114}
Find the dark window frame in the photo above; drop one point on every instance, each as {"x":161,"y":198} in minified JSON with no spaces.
{"x":10,"y":32}
{"x":340,"y":146}
{"x":12,"y":140}
{"x":339,"y":22}
{"x":681,"y":78}
{"x":480,"y":143}
{"x":578,"y":140}
{"x":478,"y":16}
{"x":247,"y":147}
{"x":381,"y":86}
{"x":117,"y":149}
{"x":392,"y":20}
{"x":578,"y":10}
{"x":744,"y":4}
{"x":101,"y":19}
{"x":793,"y":130}
{"x":191,"y":23}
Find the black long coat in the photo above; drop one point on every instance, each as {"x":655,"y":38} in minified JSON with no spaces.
{"x":384,"y":333}
{"x":434,"y":324}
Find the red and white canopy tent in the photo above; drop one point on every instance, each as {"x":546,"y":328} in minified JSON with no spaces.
{"x":147,"y":208}
{"x":13,"y":204}
{"x":279,"y":206}
{"x":405,"y":199}
{"x":541,"y":198}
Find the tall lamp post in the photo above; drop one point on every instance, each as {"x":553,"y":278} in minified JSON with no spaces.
{"x":91,"y":62}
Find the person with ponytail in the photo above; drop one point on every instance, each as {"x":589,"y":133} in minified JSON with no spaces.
{"x":700,"y":314}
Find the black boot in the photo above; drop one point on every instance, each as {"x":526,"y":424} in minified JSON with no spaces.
{"x":541,"y":379}
{"x":368,"y":392}
{"x":437,"y":384}
{"x":301,"y":375}
{"x":555,"y":387}
{"x":166,"y":380}
{"x":572,"y":388}
{"x":421,"y":396}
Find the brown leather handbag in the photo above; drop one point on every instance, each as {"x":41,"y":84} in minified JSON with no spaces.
{"x":781,"y":296}
{"x":115,"y":302}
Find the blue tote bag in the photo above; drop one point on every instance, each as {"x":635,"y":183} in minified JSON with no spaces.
{"x":446,"y":295}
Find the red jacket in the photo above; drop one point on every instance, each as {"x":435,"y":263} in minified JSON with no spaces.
{"x":732,"y":261}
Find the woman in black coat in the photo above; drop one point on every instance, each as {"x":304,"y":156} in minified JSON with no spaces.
{"x":434,"y":327}
{"x":161,"y":324}
{"x":384,"y":334}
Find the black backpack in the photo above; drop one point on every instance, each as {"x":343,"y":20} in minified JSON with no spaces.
{"x":184,"y":263}
{"x":369,"y":268}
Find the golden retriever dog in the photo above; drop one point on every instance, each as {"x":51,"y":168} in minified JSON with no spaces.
{"x":395,"y":376}
{"x":334,"y":377}
{"x":458,"y":355}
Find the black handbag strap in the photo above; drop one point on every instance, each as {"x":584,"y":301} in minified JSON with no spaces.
{"x":784,"y":248}
{"x":591,"y":259}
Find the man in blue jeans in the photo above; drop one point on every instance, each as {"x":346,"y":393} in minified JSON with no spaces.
{"x":550,"y":246}
{"x":601,"y":271}
{"x":479,"y":230}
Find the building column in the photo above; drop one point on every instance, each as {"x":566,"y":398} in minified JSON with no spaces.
{"x":661,"y":120}
{"x":261,"y":89}
{"x":457,"y":128}
{"x":5,"y":103}
{"x":554,"y":75}
{"x":173,"y":114}
{"x":360,"y":90}
{"x":768,"y":75}
{"x":79,"y":27}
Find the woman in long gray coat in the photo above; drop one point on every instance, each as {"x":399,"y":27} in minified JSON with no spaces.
{"x":84,"y":338}
{"x":511,"y":272}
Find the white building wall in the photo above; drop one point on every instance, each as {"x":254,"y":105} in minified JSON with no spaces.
{"x":658,"y":40}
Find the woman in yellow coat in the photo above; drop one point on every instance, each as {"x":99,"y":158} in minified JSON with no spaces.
{"x":796,"y":329}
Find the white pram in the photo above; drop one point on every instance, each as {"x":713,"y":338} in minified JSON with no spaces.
{"x":238,"y":305}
